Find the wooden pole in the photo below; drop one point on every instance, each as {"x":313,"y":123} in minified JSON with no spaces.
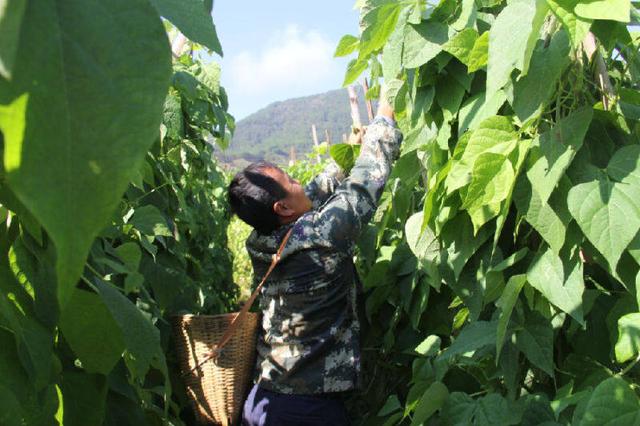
{"x":355,"y":109}
{"x":314,"y":134}
{"x":292,"y":156}
{"x":365,"y":86}
{"x":590,"y":47}
{"x":327,"y":136}
{"x":344,"y":138}
{"x":178,"y":44}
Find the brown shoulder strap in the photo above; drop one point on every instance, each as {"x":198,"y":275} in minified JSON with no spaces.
{"x":239,"y":318}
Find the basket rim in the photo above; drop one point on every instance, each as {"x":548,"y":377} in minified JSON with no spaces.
{"x":185,"y":316}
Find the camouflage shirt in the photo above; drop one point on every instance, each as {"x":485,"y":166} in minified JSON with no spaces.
{"x":309,"y":342}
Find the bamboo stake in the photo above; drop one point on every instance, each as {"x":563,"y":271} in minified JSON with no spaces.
{"x":314,"y":134}
{"x":590,"y":47}
{"x":355,"y":109}
{"x":365,"y":86}
{"x":327,"y":136}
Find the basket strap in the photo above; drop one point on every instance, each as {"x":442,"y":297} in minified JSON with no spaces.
{"x":239,"y":319}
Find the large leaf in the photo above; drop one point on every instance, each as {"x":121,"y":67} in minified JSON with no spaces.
{"x":495,"y":135}
{"x":533,"y":91}
{"x":95,"y":79}
{"x":430,"y":402}
{"x":508,"y":40}
{"x":379,"y":23}
{"x":535,"y":340}
{"x":84,"y":398}
{"x":576,"y":26}
{"x":423,"y":42}
{"x":479,"y":54}
{"x":423,"y":243}
{"x":628,"y":345}
{"x":615,"y":10}
{"x":609,"y":215}
{"x":347,"y":45}
{"x":11,"y":14}
{"x":491,"y":180}
{"x":141,"y":337}
{"x":193,"y":18}
{"x":550,"y":219}
{"x":613,"y":402}
{"x":92,"y":333}
{"x":556,"y":150}
{"x":506,"y":303}
{"x":478,"y":108}
{"x":472,"y":337}
{"x":150,"y":221}
{"x":462,"y":45}
{"x":560,"y":282}
{"x":345,"y":155}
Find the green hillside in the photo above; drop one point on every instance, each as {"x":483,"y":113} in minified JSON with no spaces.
{"x":269,"y":133}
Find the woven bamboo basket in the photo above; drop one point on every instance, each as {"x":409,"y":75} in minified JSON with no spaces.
{"x":216,"y":387}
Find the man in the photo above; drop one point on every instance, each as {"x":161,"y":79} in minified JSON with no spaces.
{"x":308,"y":348}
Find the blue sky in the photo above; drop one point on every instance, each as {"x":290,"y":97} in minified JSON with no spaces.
{"x":276,"y":50}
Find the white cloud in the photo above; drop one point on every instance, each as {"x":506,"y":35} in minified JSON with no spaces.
{"x":293,"y":63}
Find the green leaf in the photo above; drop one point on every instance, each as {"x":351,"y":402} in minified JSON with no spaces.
{"x":460,"y":243}
{"x":576,"y":26}
{"x":84,"y":398}
{"x":533,"y":91}
{"x":609,"y":215}
{"x":347,"y":45}
{"x":462,"y":45}
{"x":477,"y":109}
{"x":423,"y":243}
{"x":10,"y":409}
{"x":92,"y":333}
{"x":141,"y":337}
{"x":549,"y":219}
{"x":495,"y":135}
{"x":11,"y":14}
{"x":556,"y":150}
{"x":494,"y":410}
{"x":429,"y":346}
{"x":472,"y":337}
{"x":193,"y":18}
{"x":613,"y":402}
{"x":506,"y":303}
{"x":491,"y":181}
{"x":624,"y":166}
{"x":423,"y":42}
{"x":561,"y":283}
{"x":432,"y":400}
{"x":95,"y":92}
{"x":628,"y":344}
{"x":508,"y":39}
{"x":479,"y":55}
{"x":614,"y":10}
{"x":345,"y":155}
{"x":150,"y":221}
{"x":392,"y":405}
{"x":355,"y":68}
{"x":379,"y":23}
{"x":130,"y":255}
{"x":173,"y":117}
{"x":535,"y":340}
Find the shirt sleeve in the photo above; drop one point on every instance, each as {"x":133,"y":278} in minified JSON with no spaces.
{"x":324,"y":184}
{"x":353,"y":203}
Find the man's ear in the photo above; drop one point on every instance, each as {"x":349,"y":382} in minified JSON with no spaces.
{"x":281,"y":209}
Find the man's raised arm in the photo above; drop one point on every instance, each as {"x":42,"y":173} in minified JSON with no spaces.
{"x":353,"y":203}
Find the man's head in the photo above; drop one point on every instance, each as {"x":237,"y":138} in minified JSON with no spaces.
{"x":265,"y":197}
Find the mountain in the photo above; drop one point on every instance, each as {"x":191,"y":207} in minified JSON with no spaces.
{"x":269,"y":133}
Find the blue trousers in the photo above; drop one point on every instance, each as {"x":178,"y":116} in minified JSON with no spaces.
{"x":267,"y":408}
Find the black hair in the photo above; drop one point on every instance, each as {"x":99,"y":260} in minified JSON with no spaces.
{"x":252,"y":195}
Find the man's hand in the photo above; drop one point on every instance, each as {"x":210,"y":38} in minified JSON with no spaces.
{"x":356,"y":135}
{"x":384,"y":108}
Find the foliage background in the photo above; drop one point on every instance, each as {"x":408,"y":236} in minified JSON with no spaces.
{"x":501,"y":267}
{"x":113,"y":208}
